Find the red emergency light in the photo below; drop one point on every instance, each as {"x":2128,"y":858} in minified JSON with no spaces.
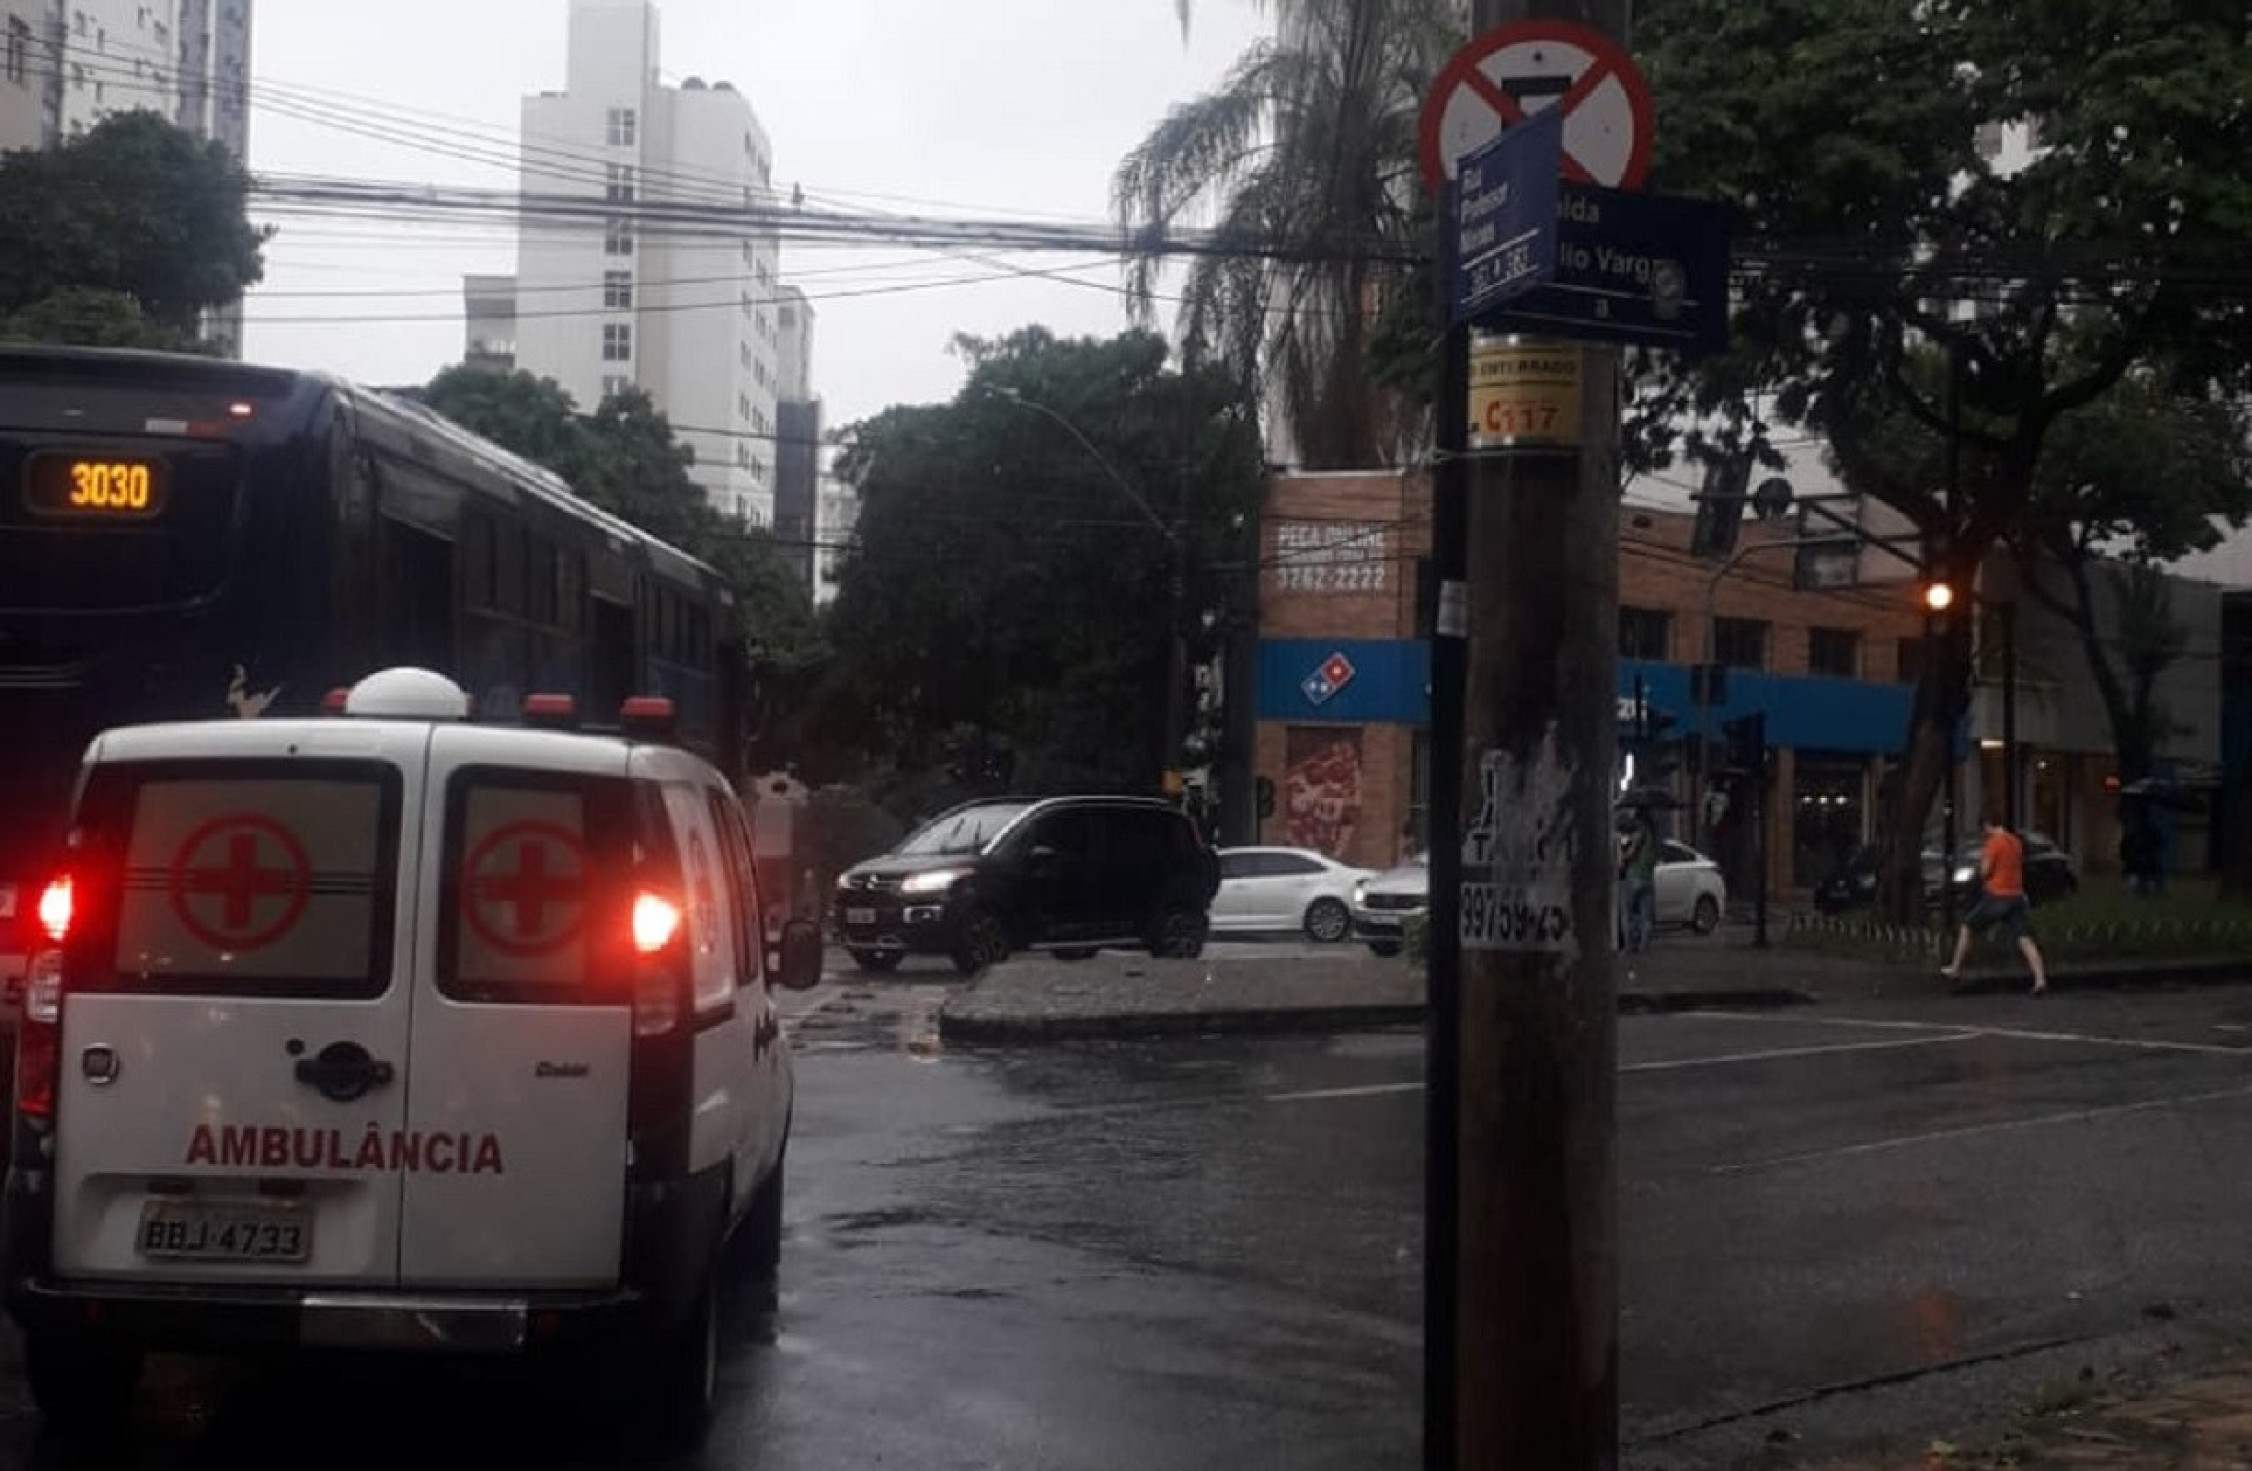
{"x":332,"y":703}
{"x":651,"y":716}
{"x":551,"y":712}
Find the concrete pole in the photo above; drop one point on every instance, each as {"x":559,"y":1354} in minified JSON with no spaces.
{"x":1536,"y":1334}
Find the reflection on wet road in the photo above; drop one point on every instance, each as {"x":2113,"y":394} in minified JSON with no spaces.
{"x":1206,"y":1252}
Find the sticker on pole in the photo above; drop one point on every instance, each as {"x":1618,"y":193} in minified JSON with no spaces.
{"x":1517,"y":856}
{"x":1523,"y":394}
{"x":524,"y":889}
{"x":1517,"y":70}
{"x":239,"y":882}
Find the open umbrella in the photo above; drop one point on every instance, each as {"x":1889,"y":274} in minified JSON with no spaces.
{"x":1650,"y":799}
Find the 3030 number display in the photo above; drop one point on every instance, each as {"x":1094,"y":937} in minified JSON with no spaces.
{"x":94,"y":487}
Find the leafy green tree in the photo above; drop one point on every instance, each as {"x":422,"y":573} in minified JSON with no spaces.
{"x":624,"y":458}
{"x":1874,"y":226}
{"x":1004,"y":620}
{"x":1308,"y":147}
{"x":87,"y":317}
{"x":136,"y":209}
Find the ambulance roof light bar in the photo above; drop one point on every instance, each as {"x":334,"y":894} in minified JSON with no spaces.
{"x":551,"y":712}
{"x":649,"y":717}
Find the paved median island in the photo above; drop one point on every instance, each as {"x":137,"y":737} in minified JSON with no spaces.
{"x":1038,"y":998}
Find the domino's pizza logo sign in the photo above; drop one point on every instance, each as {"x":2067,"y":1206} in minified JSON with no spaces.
{"x":1322,"y":686}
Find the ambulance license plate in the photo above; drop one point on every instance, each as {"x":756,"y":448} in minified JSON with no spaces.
{"x":860,"y":916}
{"x":180,"y":1230}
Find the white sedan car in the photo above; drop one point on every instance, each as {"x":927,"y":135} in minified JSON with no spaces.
{"x":1690,"y":889}
{"x":1691,"y":893}
{"x":1284,"y":890}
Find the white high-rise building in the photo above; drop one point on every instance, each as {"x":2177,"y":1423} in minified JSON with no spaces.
{"x":67,"y":64}
{"x":687,"y":315}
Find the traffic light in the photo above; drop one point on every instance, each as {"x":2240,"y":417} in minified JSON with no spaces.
{"x":1746,"y":741}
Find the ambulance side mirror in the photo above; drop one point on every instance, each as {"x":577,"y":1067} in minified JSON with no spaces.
{"x":800,"y":969}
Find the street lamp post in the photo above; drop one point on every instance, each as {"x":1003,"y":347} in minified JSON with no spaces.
{"x":1176,"y":593}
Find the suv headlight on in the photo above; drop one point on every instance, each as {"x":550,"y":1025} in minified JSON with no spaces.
{"x":1360,"y":894}
{"x":1965,"y":874}
{"x":936,"y":881}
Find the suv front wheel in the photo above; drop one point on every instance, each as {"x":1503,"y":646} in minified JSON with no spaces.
{"x":981,"y":942}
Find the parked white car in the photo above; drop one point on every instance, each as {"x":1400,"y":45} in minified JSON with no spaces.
{"x":1285,"y":890}
{"x":1383,"y":902}
{"x":1691,"y":890}
{"x":1691,"y":893}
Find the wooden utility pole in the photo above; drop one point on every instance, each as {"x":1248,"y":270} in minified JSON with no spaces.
{"x":1535,"y":1328}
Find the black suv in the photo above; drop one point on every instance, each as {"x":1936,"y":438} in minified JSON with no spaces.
{"x":1068,"y":874}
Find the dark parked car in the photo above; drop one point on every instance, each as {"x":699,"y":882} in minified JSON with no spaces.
{"x":1069,"y":874}
{"x":2049,"y":874}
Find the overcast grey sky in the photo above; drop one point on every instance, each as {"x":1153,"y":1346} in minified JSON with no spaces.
{"x":998,"y":106}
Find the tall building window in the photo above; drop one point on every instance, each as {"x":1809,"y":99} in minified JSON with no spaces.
{"x":617,"y":342}
{"x":1645,"y":633}
{"x":623,"y":124}
{"x":1835,"y":652}
{"x":619,"y":186}
{"x":617,"y":290}
{"x":614,"y":384}
{"x":1740,"y":643}
{"x":19,"y":47}
{"x":618,"y":238}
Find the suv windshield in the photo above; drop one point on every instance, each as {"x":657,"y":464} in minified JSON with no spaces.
{"x":966,"y":831}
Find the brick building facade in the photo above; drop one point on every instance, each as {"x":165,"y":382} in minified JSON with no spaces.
{"x":1343,"y":690}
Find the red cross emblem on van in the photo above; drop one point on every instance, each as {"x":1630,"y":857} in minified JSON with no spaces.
{"x":240,"y":881}
{"x":524,"y":889}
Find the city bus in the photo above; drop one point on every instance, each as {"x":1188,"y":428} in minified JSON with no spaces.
{"x":183,"y":538}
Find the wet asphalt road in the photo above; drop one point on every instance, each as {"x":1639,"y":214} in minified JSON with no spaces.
{"x":1850,"y":1226}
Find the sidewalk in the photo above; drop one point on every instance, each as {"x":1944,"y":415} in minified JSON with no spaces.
{"x":2203,"y":1422}
{"x":1038,"y":998}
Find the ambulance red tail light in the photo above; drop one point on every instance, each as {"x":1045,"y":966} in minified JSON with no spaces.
{"x":657,"y":981}
{"x":656,"y":920}
{"x":55,"y":905}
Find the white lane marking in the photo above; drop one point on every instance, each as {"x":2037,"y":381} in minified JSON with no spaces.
{"x":1909,"y":1141}
{"x":1370,"y":1090}
{"x":1674,"y":1064}
{"x":1375,"y":1090}
{"x":2014,"y":1034}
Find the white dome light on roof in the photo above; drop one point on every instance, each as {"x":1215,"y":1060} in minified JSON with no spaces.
{"x":407,"y":694}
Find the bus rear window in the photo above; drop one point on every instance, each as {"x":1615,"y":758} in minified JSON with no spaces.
{"x":533,"y":897}
{"x":246,"y":878}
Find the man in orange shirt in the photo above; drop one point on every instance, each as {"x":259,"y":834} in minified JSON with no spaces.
{"x":2001,"y":872}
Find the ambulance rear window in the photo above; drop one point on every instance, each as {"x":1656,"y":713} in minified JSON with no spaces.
{"x":244,"y":878}
{"x":535,"y":904}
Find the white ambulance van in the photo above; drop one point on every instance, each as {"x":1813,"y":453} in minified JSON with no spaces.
{"x":394,"y":1031}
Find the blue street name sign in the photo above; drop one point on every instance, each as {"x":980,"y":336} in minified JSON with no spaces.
{"x":1505,"y":215}
{"x":1646,"y":269}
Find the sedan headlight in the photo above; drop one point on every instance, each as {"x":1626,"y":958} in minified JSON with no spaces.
{"x":935,"y":881}
{"x":1360,"y":894}
{"x":844,"y":882}
{"x":1965,"y":874}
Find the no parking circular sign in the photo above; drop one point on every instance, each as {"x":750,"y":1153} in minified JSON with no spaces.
{"x":1514,"y":71}
{"x":524,"y":889}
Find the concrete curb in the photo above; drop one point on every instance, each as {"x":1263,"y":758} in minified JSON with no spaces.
{"x":1283,"y":1020}
{"x":2126,"y":975}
